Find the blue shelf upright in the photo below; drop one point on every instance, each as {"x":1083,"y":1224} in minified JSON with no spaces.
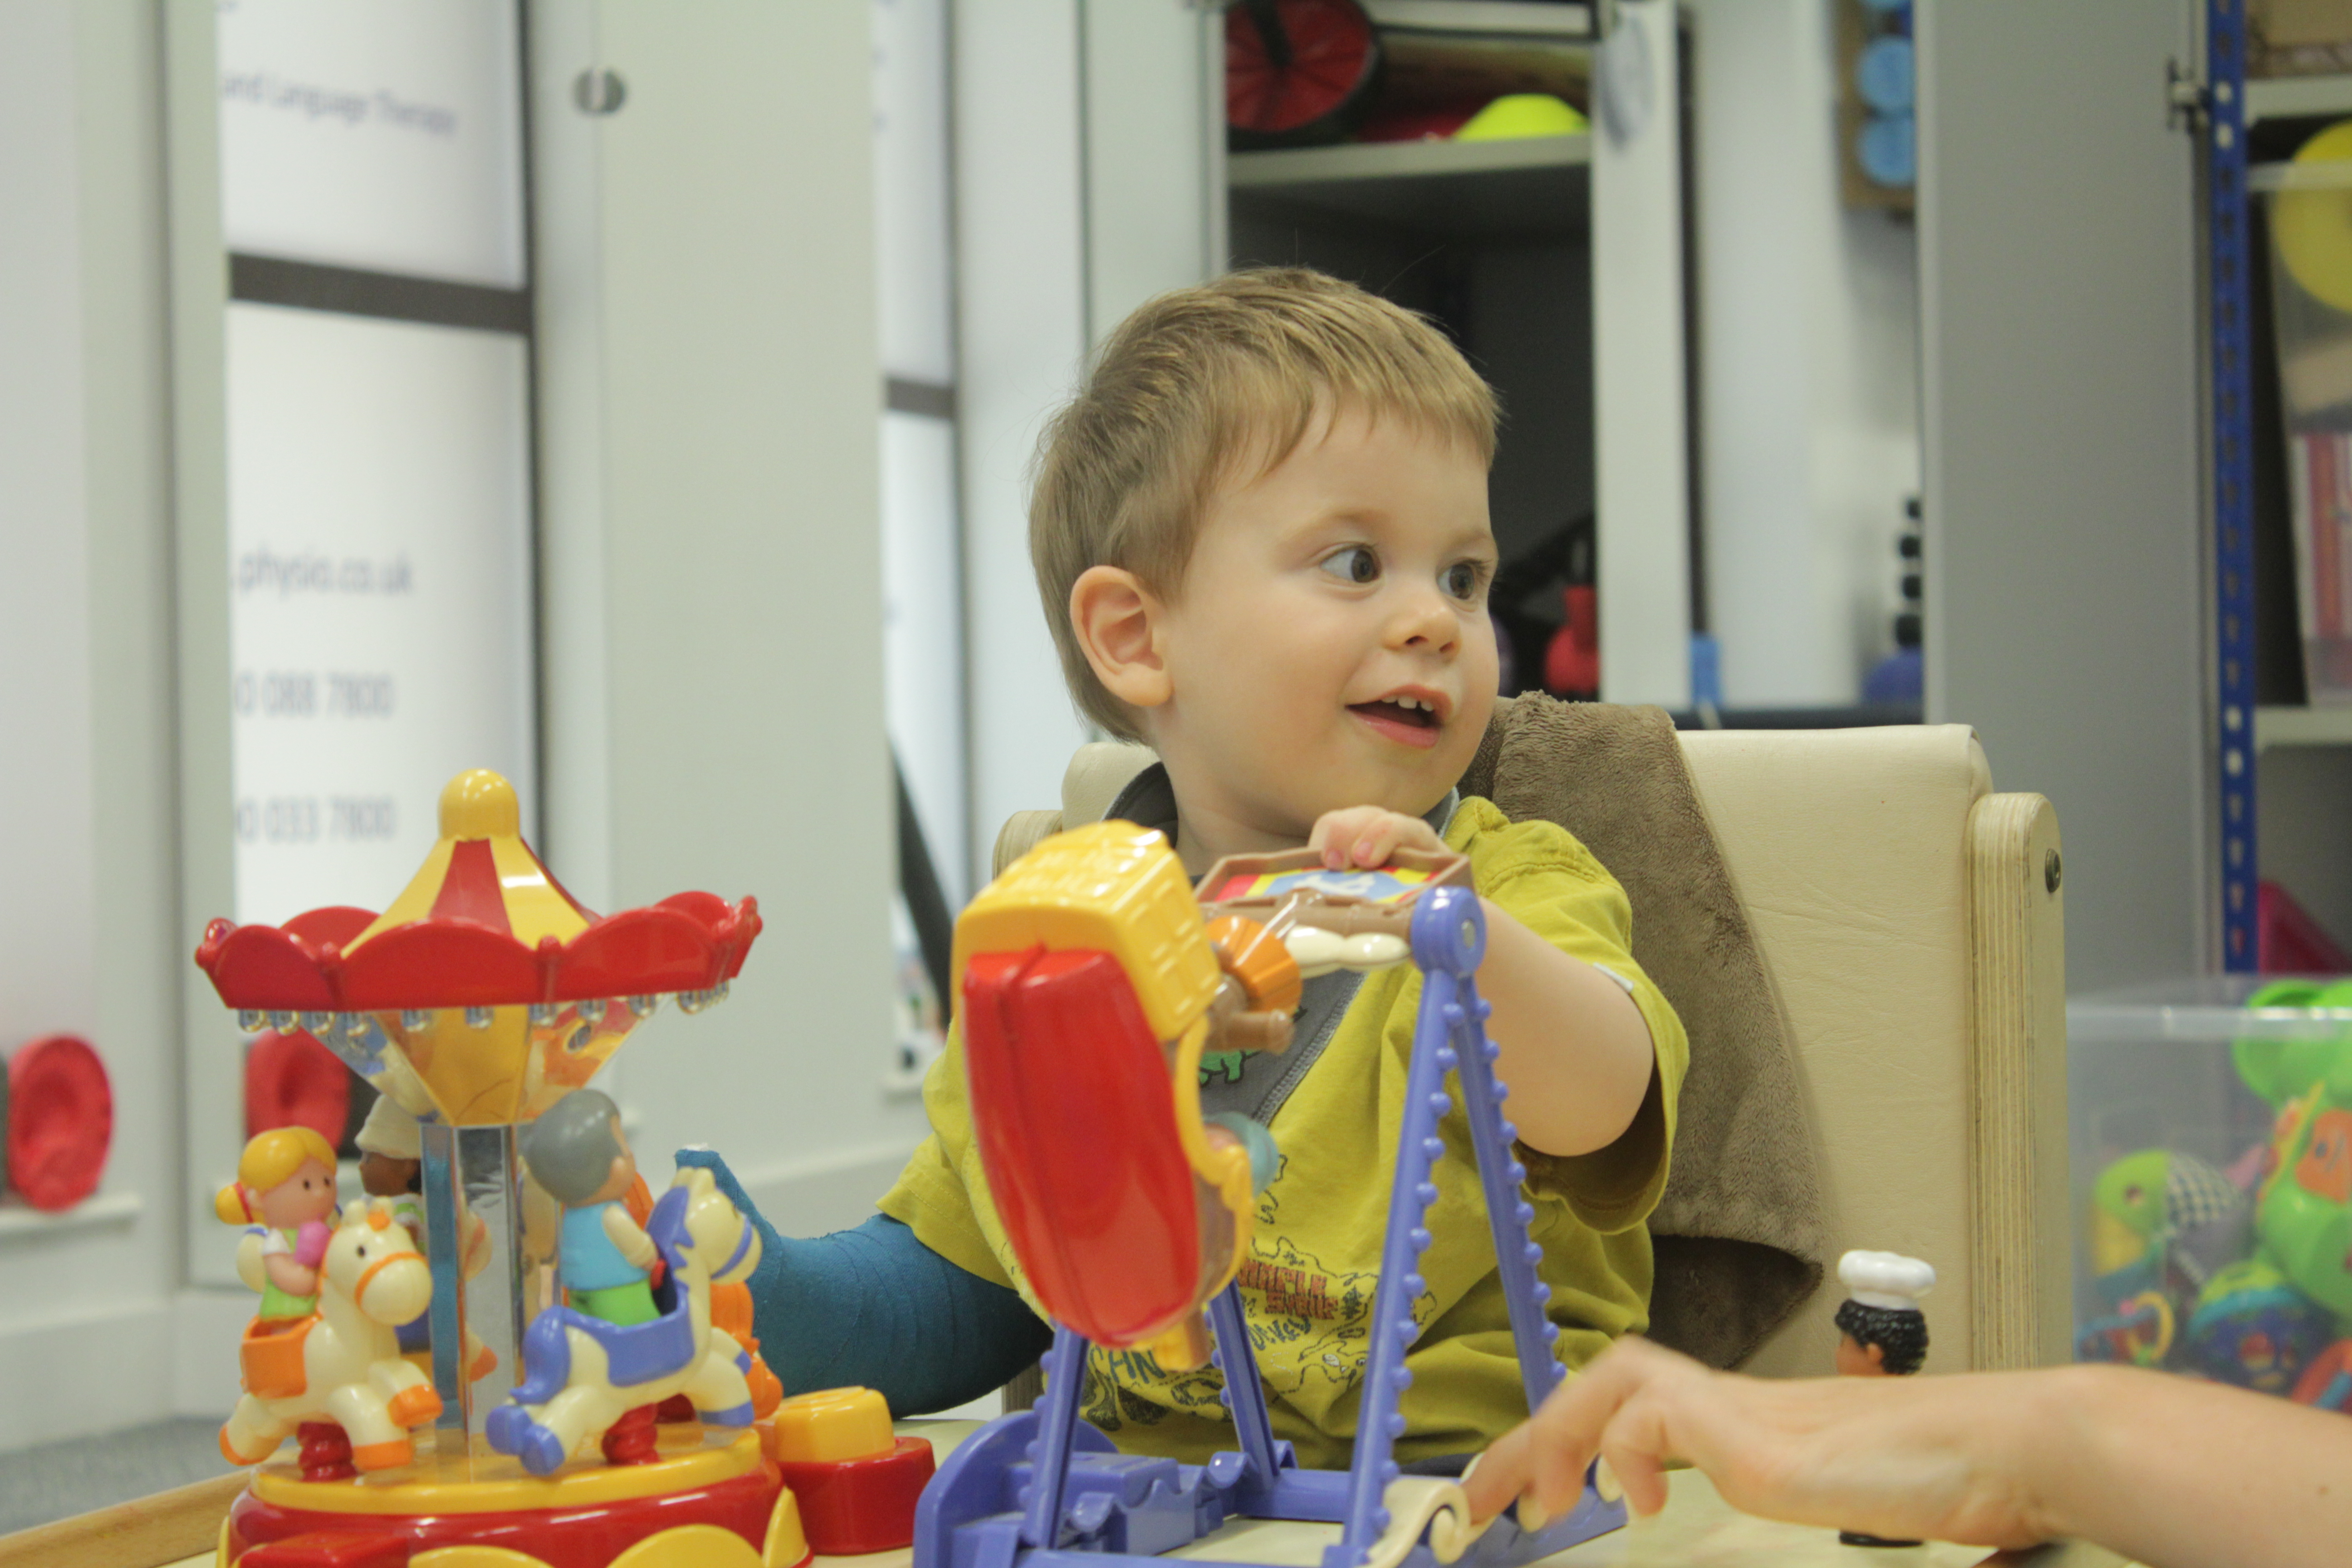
{"x":2229,"y":277}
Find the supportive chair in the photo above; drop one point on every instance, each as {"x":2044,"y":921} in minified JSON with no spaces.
{"x":1909,"y":921}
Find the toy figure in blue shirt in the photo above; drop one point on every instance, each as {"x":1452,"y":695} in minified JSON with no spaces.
{"x":604,"y":1259}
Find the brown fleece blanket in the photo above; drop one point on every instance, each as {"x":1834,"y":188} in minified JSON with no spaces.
{"x":1740,"y":1239}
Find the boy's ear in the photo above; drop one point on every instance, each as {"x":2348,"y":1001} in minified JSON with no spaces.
{"x":1118,"y":623}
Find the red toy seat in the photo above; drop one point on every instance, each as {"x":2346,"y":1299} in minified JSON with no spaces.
{"x":1072,"y":1097}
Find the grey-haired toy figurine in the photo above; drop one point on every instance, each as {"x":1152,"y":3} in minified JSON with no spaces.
{"x":576,"y":1152}
{"x":1881,"y":1333}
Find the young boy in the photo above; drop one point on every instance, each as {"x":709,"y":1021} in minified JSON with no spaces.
{"x":1260,"y":531}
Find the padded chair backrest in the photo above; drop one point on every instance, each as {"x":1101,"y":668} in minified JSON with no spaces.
{"x":1912,"y":922}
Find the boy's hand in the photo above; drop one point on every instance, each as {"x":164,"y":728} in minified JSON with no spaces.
{"x":771,"y":1245}
{"x":1367,"y":836}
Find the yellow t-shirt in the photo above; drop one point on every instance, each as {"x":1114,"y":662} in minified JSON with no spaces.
{"x":1314,"y":1258}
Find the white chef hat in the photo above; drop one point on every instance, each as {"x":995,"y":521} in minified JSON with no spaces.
{"x":389,"y":1131}
{"x":1885,"y":1279}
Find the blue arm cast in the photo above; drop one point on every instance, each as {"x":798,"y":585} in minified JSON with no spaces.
{"x":875,"y":1307}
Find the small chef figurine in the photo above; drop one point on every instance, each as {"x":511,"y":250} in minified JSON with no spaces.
{"x":1881,"y":1333}
{"x":602,"y":1257}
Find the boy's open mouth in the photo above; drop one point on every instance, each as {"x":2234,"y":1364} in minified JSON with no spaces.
{"x":1411,"y":720}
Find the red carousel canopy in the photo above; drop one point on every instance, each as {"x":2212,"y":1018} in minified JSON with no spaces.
{"x":482,"y":925}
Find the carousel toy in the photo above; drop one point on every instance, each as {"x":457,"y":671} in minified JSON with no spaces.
{"x":1092,"y":982}
{"x":476,"y":1005}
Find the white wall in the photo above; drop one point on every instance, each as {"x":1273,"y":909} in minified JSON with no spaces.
{"x":1808,"y":363}
{"x":1021,"y":299}
{"x":88,"y":931}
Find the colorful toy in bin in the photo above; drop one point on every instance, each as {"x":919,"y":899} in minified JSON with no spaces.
{"x":2327,"y":1382}
{"x":858,"y":1482}
{"x":2140,"y":1332}
{"x":2303,"y":1209}
{"x":1091,"y":985}
{"x":476,"y":1004}
{"x":2253,"y":1329}
{"x":2163,"y":1221}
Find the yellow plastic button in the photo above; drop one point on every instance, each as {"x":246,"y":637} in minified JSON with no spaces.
{"x":479,"y":804}
{"x":831,"y":1425}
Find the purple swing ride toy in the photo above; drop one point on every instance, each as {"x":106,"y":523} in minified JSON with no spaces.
{"x":1091,"y":986}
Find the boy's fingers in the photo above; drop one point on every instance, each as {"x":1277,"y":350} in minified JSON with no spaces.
{"x":1333,"y":831}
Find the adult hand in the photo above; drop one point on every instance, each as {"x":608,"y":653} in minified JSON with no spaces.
{"x":1942,"y":1458}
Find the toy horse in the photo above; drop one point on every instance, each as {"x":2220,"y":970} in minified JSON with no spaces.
{"x":343,"y":1364}
{"x":581,"y":1374}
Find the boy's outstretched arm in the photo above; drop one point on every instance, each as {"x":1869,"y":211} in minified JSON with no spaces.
{"x":2171,"y":1471}
{"x":875,"y":1307}
{"x":1575,"y":1050}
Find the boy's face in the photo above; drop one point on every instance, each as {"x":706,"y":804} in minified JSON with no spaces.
{"x":1329,"y":645}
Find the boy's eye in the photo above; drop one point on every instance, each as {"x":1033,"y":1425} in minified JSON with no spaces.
{"x":1466,"y":579}
{"x":1356,"y":563}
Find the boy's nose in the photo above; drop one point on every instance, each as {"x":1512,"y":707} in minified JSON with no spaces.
{"x":1423,"y":619}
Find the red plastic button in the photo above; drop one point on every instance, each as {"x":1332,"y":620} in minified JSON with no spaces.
{"x":60,"y":1121}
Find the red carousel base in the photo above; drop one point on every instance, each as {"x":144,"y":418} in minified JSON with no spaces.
{"x":688,"y":1507}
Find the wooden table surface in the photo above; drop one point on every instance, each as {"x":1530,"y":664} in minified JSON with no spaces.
{"x":1697,"y":1529}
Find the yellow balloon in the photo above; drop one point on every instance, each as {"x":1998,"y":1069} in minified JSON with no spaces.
{"x":2312,"y":229}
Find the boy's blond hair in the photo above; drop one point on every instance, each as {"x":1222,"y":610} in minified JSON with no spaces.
{"x":1211,"y":385}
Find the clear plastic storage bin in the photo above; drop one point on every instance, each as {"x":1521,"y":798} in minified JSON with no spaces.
{"x":2212,"y":1138}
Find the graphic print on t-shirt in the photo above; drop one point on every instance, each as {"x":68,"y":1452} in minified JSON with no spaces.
{"x":1308,"y":1323}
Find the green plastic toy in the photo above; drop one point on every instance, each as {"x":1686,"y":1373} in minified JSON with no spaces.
{"x":2303,"y":1210}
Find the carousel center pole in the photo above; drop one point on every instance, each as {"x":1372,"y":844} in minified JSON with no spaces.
{"x":472,"y":1182}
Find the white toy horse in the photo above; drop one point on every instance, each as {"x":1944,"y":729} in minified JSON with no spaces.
{"x":581,"y":1374}
{"x":342,"y":1363}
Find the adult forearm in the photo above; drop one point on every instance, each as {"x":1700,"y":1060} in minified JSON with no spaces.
{"x":2183,"y":1474}
{"x":1574,"y":1049}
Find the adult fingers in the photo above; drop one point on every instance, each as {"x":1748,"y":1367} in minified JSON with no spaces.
{"x":1634,"y":1446}
{"x":1547,"y":1456}
{"x":1497,"y":1478}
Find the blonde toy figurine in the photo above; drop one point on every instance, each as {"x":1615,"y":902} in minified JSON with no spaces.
{"x":286,"y":1186}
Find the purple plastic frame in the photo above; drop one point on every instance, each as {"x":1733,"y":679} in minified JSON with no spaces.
{"x":1043,"y":1488}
